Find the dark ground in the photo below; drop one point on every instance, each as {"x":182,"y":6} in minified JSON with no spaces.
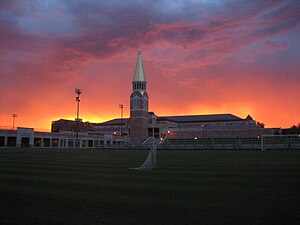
{"x":189,"y":187}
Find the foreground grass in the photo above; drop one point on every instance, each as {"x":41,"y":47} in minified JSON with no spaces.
{"x":189,"y":187}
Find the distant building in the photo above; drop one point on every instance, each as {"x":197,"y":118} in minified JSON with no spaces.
{"x":143,"y":124}
{"x":219,"y":125}
{"x":63,"y":125}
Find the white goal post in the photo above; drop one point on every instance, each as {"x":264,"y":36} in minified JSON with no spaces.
{"x":151,"y":160}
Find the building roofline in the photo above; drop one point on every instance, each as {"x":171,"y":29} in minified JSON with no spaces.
{"x":201,"y":118}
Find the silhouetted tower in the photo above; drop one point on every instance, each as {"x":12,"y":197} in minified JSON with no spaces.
{"x":139,"y":104}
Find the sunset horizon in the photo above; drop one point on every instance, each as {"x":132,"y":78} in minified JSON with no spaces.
{"x":200,"y":57}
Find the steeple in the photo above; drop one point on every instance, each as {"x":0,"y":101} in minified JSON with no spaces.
{"x":139,"y":79}
{"x":139,"y":74}
{"x":139,"y":118}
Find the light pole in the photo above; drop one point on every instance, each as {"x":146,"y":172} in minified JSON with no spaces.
{"x":121,"y":106}
{"x":14,"y":119}
{"x":78,"y":92}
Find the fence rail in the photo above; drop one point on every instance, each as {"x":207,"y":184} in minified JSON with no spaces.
{"x":258,"y":143}
{"x":283,"y":142}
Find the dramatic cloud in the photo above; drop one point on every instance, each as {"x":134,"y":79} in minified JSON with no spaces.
{"x":237,"y":57}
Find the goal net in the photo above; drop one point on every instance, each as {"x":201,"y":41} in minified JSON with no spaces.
{"x":151,"y":160}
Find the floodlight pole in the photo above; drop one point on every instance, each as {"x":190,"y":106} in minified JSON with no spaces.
{"x":78,"y":92}
{"x":14,"y":119}
{"x":121,"y":106}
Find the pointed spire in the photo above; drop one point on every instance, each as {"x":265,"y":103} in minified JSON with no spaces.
{"x":139,"y":74}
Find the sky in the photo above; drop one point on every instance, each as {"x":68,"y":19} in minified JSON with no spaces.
{"x":200,"y":57}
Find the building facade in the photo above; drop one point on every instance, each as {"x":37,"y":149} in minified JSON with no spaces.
{"x":28,"y":137}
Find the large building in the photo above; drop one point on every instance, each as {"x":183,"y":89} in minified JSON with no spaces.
{"x":143,"y":124}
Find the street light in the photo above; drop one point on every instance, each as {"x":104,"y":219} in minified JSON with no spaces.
{"x":77,"y":99}
{"x":14,"y":119}
{"x":121,"y":106}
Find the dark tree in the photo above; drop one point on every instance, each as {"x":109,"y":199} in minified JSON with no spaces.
{"x":261,"y":125}
{"x":295,"y":129}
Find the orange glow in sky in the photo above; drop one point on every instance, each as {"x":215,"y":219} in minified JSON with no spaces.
{"x":199,"y":58}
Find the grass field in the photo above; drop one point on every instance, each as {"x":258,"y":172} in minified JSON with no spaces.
{"x":189,"y":187}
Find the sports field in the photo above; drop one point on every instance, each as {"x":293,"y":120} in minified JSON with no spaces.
{"x":188,"y":187}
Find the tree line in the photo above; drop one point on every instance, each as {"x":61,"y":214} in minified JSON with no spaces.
{"x":295,"y":129}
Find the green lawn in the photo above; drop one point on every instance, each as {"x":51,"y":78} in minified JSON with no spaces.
{"x":188,"y":187}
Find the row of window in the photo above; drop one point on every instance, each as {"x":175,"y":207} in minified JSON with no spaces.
{"x":137,"y":86}
{"x":54,"y":142}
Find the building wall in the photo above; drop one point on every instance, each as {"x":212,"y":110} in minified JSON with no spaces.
{"x":138,"y":126}
{"x":139,"y":118}
{"x":27,"y":137}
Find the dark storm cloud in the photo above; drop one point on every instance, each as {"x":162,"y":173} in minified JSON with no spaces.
{"x":58,"y":35}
